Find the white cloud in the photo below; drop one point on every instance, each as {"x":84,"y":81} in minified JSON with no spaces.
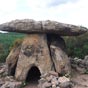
{"x":7,"y":5}
{"x":74,"y":13}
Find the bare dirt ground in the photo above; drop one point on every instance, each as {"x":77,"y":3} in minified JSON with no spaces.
{"x":80,"y":80}
{"x":31,"y":86}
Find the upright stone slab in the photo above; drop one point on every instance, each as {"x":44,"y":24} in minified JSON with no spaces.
{"x":59,"y":57}
{"x":12,"y":59}
{"x":34,"y":52}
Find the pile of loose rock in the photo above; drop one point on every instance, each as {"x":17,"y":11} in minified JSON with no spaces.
{"x":3,"y":70}
{"x":7,"y":81}
{"x":52,"y":80}
{"x":48,"y":80}
{"x":80,"y":65}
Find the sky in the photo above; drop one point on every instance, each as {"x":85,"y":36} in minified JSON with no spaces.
{"x":65,"y":11}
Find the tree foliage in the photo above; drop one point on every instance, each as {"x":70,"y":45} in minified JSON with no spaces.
{"x":77,"y":46}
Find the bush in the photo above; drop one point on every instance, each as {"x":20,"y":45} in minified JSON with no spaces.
{"x":1,"y":48}
{"x":77,"y":46}
{"x":7,"y":41}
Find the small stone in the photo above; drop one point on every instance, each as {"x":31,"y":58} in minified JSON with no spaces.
{"x":66,"y":85}
{"x":9,"y":78}
{"x":46,"y":84}
{"x":18,"y":84}
{"x":54,"y":81}
{"x":48,"y":79}
{"x":63,"y":79}
{"x":1,"y":83}
{"x":58,"y":87}
{"x":86,"y":58}
{"x":53,"y":73}
{"x":42,"y":80}
{"x":44,"y":75}
{"x":2,"y":70}
{"x":5,"y":85}
{"x":53,"y":86}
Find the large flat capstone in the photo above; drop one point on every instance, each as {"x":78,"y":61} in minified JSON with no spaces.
{"x":32,"y":26}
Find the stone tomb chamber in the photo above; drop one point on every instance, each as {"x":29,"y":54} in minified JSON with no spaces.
{"x":42,"y":50}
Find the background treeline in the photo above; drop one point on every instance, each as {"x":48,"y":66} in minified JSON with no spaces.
{"x":76,"y":46}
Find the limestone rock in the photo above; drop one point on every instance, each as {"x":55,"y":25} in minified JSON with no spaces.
{"x":32,"y":26}
{"x":11,"y":85}
{"x":60,"y":59}
{"x":80,"y":65}
{"x":34,"y":52}
{"x":12,"y":59}
{"x":54,"y":82}
{"x":86,"y":62}
{"x":53,"y":73}
{"x":3,"y":70}
{"x":64,"y":82}
{"x":63,"y":79}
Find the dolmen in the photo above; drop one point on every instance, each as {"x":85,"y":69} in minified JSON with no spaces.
{"x":43,"y":48}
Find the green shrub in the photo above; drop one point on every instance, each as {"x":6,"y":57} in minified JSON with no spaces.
{"x":6,"y":42}
{"x":77,"y":46}
{"x":1,"y":48}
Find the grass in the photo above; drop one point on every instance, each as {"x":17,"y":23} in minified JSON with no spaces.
{"x":7,"y":41}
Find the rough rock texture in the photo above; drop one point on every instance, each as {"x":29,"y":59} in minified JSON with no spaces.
{"x":79,"y":72}
{"x":46,"y":52}
{"x":34,"y":52}
{"x":49,"y":80}
{"x":12,"y":59}
{"x":59,"y":57}
{"x":31,"y":26}
{"x":80,"y":65}
{"x":3,"y":70}
{"x":7,"y":81}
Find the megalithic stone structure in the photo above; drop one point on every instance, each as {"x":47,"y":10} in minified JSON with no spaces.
{"x":43,"y":47}
{"x":31,"y":26}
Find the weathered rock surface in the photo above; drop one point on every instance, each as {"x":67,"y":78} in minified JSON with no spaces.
{"x":49,"y":80}
{"x":80,"y":65}
{"x":34,"y":52}
{"x":3,"y":70}
{"x":7,"y":81}
{"x":12,"y":59}
{"x":46,"y":52}
{"x":58,"y":55}
{"x":31,"y":26}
